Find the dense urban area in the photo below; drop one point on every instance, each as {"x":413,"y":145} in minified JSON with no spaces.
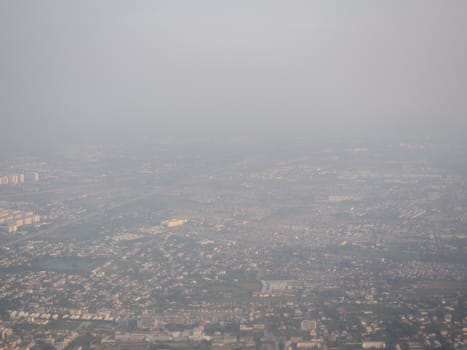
{"x":202,"y":245}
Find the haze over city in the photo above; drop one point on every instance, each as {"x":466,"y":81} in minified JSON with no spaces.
{"x":259,"y":69}
{"x":230,"y":175}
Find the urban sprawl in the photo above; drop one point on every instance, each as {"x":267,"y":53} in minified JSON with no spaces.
{"x":201,"y":246}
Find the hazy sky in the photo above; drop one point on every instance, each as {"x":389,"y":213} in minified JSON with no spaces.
{"x":115,"y":69}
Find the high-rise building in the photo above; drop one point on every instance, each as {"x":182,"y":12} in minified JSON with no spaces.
{"x":14,"y":179}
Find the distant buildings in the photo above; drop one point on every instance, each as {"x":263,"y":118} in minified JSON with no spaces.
{"x":19,"y":178}
{"x":11,"y":220}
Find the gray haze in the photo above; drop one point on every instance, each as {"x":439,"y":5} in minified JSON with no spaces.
{"x":107,"y":70}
